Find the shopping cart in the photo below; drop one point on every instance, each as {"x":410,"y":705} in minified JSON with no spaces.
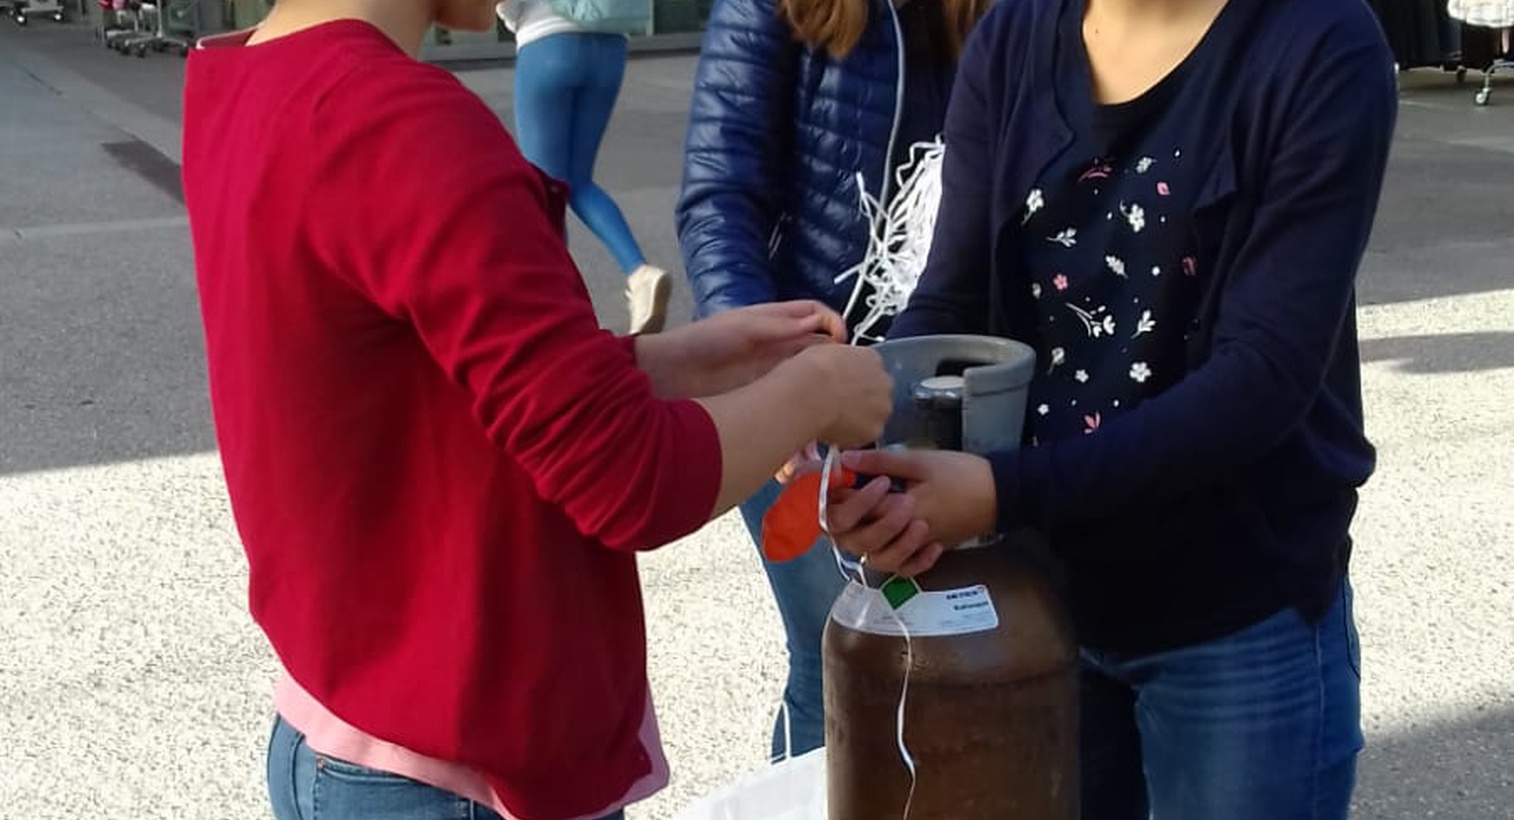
{"x":1487,"y":40}
{"x":161,"y":25}
{"x":21,"y":11}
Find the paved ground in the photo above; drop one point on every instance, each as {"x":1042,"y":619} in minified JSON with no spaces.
{"x":133,"y":685}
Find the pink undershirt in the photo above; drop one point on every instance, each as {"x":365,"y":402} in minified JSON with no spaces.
{"x":328,"y":734}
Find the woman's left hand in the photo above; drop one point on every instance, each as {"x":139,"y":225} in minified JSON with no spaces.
{"x":734,"y":348}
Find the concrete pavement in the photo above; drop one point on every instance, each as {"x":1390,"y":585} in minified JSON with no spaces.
{"x":132,"y":683}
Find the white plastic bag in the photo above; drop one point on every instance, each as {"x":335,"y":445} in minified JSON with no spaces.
{"x":793,"y":789}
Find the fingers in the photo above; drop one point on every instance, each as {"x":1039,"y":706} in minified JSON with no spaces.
{"x":764,"y":352}
{"x":780,"y":322}
{"x":832,"y":324}
{"x":785,"y":474}
{"x":805,"y":340}
{"x":791,"y":333}
{"x":900,"y":548}
{"x":825,"y":320}
{"x":804,"y":462}
{"x":852,"y":438}
{"x":849,"y":508}
{"x":921,"y":561}
{"x":891,"y":520}
{"x":894,"y":463}
{"x":798,"y":308}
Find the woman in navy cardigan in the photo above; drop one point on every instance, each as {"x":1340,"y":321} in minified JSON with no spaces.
{"x":800,"y":107}
{"x":1169,"y":200}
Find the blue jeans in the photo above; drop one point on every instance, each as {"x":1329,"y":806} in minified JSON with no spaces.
{"x":565,"y":90}
{"x":306,"y":785}
{"x":1264,"y":724}
{"x":804,"y":589}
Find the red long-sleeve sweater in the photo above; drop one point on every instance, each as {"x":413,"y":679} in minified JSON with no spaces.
{"x":439,"y":464}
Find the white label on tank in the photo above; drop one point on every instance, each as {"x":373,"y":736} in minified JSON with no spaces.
{"x":926,"y":614}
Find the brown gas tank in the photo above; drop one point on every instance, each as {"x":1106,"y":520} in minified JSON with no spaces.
{"x":991,"y":712}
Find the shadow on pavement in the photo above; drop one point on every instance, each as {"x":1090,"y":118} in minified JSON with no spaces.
{"x":1438,"y":268}
{"x":1461,"y":769}
{"x":1449,"y":353}
{"x":101,"y":352}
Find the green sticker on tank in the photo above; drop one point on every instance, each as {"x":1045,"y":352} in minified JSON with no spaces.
{"x":899,"y":591}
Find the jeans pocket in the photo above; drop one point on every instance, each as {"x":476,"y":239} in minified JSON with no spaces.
{"x":354,"y":773}
{"x":349,"y":791}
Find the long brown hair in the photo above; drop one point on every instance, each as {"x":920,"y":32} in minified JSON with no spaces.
{"x":837,"y":25}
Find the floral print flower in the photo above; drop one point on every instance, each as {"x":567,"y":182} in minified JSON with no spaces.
{"x":1140,"y":372}
{"x":1135,"y":215}
{"x":1100,"y":170}
{"x":1096,"y":322}
{"x":1116,"y":264}
{"x":1081,"y":376}
{"x":1034,"y":202}
{"x":1035,"y":289}
{"x":1162,"y":189}
{"x":1145,"y":325}
{"x":1044,"y":409}
{"x":1091,"y":423}
{"x":1060,"y":281}
{"x":1067,"y":238}
{"x":1058,"y":358}
{"x":1144,"y":165}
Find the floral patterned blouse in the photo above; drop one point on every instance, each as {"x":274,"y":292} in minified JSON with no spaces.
{"x":1107,"y":252}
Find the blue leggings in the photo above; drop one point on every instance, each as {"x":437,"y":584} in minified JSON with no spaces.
{"x":804,"y":589}
{"x":565,"y":90}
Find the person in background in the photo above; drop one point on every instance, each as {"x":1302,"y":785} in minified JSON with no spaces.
{"x":1169,"y":200}
{"x":441,"y":468}
{"x":570,"y":61}
{"x":800,"y":109}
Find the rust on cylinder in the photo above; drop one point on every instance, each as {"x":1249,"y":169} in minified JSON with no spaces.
{"x":990,"y":718}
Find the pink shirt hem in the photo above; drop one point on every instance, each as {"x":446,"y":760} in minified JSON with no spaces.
{"x":328,"y":734}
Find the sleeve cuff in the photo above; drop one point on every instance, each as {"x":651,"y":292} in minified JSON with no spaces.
{"x":1020,"y":480}
{"x":695,"y":449}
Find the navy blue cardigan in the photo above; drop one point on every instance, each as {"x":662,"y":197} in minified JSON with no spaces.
{"x":777,"y":134}
{"x":1230,"y":495}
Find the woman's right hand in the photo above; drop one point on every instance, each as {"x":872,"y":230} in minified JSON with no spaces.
{"x":859,"y":389}
{"x":829,"y":392}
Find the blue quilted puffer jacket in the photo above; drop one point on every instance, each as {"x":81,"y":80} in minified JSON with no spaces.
{"x":777,"y":135}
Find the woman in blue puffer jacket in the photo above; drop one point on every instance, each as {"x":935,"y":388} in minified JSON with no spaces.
{"x":810,"y":120}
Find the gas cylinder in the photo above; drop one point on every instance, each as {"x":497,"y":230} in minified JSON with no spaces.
{"x":974,"y":660}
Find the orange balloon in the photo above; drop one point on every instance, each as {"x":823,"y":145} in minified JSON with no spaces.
{"x":792,"y":525}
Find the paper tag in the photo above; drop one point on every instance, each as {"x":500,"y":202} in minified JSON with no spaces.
{"x":922,"y":612}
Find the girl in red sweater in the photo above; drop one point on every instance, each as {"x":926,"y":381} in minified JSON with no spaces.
{"x":440,"y":466}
